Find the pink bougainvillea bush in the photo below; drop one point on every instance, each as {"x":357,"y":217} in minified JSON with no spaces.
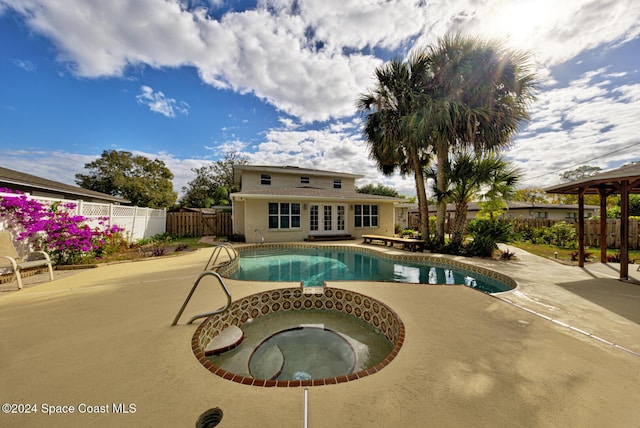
{"x":54,"y":229}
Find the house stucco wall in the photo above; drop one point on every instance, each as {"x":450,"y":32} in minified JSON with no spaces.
{"x":251,"y":181}
{"x":255,"y":226}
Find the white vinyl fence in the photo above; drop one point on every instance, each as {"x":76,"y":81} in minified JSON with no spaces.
{"x":138,"y":223}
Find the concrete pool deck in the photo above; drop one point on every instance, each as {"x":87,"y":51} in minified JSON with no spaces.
{"x":101,"y":340}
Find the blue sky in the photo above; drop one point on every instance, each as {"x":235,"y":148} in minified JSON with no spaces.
{"x":277,"y":80}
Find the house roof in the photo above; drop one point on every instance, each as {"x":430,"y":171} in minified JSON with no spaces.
{"x":12,"y":179}
{"x":315,"y":194}
{"x":292,"y":170}
{"x":608,"y":180}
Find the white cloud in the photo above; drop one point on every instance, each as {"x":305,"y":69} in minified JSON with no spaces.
{"x":25,"y":64}
{"x":159,"y":103}
{"x":588,"y":121}
{"x":54,"y":165}
{"x":308,"y":59}
{"x":311,"y":59}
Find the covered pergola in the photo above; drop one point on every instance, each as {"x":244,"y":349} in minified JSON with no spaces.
{"x":622,"y":181}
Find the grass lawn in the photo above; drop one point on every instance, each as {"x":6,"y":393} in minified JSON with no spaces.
{"x":565,"y":253}
{"x":152,"y":248}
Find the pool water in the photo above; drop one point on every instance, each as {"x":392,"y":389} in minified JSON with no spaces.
{"x":314,"y":266}
{"x":303,"y":353}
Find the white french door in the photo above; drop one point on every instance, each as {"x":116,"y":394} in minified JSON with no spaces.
{"x":327,"y":219}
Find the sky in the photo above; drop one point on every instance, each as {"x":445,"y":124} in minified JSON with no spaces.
{"x":185,"y":81}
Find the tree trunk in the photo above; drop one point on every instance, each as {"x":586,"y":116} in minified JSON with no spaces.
{"x":442,"y":156}
{"x":423,"y":203}
{"x":459,"y":223}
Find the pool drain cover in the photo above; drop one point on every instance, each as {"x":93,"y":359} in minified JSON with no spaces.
{"x":210,"y":418}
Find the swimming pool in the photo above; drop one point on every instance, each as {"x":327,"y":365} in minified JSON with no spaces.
{"x":313,"y":266}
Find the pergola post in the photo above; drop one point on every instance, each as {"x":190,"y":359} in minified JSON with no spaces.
{"x":602,"y":191}
{"x":581,"y":227}
{"x":624,"y":230}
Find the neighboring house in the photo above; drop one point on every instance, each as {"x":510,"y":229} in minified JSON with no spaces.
{"x":407,"y":214}
{"x":42,"y":187}
{"x":547,"y":211}
{"x":293,"y":204}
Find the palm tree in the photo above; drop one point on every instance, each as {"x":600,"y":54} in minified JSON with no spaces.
{"x":475,"y":94}
{"x":472,"y":176}
{"x":392,"y":144}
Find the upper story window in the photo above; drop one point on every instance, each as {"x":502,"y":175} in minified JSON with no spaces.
{"x":265,"y":179}
{"x":540,"y":214}
{"x":337,"y":183}
{"x":304,"y":180}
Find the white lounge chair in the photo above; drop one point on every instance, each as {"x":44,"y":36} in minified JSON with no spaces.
{"x":9,"y":258}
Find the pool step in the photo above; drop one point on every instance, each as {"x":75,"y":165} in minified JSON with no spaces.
{"x":228,"y":339}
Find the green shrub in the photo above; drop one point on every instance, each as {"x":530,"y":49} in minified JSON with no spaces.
{"x":407,"y":232}
{"x":560,"y":234}
{"x":237,"y":237}
{"x":485,"y":236}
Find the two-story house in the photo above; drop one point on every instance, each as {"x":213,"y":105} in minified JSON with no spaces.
{"x":277,"y":204}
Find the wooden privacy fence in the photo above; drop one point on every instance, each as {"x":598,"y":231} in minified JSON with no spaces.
{"x":199,"y":224}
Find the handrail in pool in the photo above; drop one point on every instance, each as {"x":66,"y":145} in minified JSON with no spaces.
{"x":232,"y":254}
{"x":193,"y":289}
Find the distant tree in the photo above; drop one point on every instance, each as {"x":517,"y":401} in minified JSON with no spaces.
{"x":378,"y":189}
{"x":579,"y":173}
{"x":613,"y":210}
{"x":213,"y":183}
{"x":530,"y":194}
{"x":144,"y":182}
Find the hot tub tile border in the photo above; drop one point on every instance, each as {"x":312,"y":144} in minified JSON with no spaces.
{"x":212,"y":326}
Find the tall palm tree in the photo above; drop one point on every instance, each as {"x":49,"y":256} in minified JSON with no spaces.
{"x":475,"y":94}
{"x":392,"y":144}
{"x":472,"y":176}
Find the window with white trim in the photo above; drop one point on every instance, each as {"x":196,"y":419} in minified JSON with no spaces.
{"x":284,"y":215}
{"x":265,"y":179}
{"x":304,"y":180}
{"x":337,"y":183}
{"x":366,"y":215}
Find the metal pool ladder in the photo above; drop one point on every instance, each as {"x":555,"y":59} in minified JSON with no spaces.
{"x":211,"y":264}
{"x":231,"y":253}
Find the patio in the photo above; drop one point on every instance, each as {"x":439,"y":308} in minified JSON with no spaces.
{"x":102,"y":337}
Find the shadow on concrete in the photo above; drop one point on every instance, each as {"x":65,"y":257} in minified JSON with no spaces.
{"x":619,"y":297}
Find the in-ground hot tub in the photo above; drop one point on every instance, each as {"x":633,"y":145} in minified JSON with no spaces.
{"x":360,"y":334}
